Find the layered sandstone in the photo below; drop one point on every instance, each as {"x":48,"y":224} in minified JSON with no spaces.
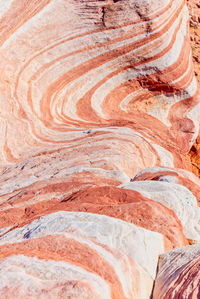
{"x":99,"y":107}
{"x":106,"y":257}
{"x":194,"y":9}
{"x":178,"y":274}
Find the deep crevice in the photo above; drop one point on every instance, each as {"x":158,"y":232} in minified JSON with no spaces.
{"x":103,"y":16}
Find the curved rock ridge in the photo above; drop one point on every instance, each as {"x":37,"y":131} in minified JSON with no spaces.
{"x":169,"y":175}
{"x":126,"y":205}
{"x":102,"y":254}
{"x":175,"y":197}
{"x":178,"y":274}
{"x":99,"y":106}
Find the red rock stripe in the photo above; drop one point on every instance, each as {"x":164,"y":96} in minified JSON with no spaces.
{"x":17,"y":15}
{"x":85,"y":101}
{"x":124,"y":204}
{"x":192,"y":186}
{"x":60,"y":248}
{"x":94,"y":63}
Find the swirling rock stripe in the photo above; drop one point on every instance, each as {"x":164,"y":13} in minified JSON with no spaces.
{"x":64,"y":80}
{"x":98,"y":107}
{"x":97,"y":260}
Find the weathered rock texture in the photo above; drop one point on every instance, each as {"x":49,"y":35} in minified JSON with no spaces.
{"x":178,"y":274}
{"x":194,"y":8}
{"x":195,"y":157}
{"x":99,"y":106}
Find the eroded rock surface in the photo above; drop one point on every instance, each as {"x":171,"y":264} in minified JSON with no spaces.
{"x":194,"y":8}
{"x":99,"y":106}
{"x":178,"y":274}
{"x":99,"y":250}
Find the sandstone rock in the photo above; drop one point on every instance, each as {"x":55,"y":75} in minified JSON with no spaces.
{"x":194,"y":9}
{"x":194,"y":156}
{"x":106,"y":64}
{"x":94,"y":94}
{"x":123,"y":204}
{"x":175,"y":197}
{"x":93,"y":253}
{"x":177,"y":176}
{"x":178,"y":274}
{"x":129,"y":206}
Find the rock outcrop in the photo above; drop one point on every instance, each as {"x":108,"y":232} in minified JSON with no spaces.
{"x":99,"y":108}
{"x":101,"y":254}
{"x":178,"y":274}
{"x":194,"y":8}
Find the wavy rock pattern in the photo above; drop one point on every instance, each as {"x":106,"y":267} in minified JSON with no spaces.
{"x":103,"y":250}
{"x":176,"y":198}
{"x":98,"y":107}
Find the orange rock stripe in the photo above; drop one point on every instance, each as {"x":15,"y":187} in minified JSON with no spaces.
{"x":60,"y":248}
{"x":17,"y":15}
{"x":94,"y":63}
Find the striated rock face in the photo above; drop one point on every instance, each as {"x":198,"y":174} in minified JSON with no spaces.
{"x":101,"y":65}
{"x":178,"y":274}
{"x":194,"y":8}
{"x":194,"y":156}
{"x":97,"y":257}
{"x":176,"y":198}
{"x":99,"y":106}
